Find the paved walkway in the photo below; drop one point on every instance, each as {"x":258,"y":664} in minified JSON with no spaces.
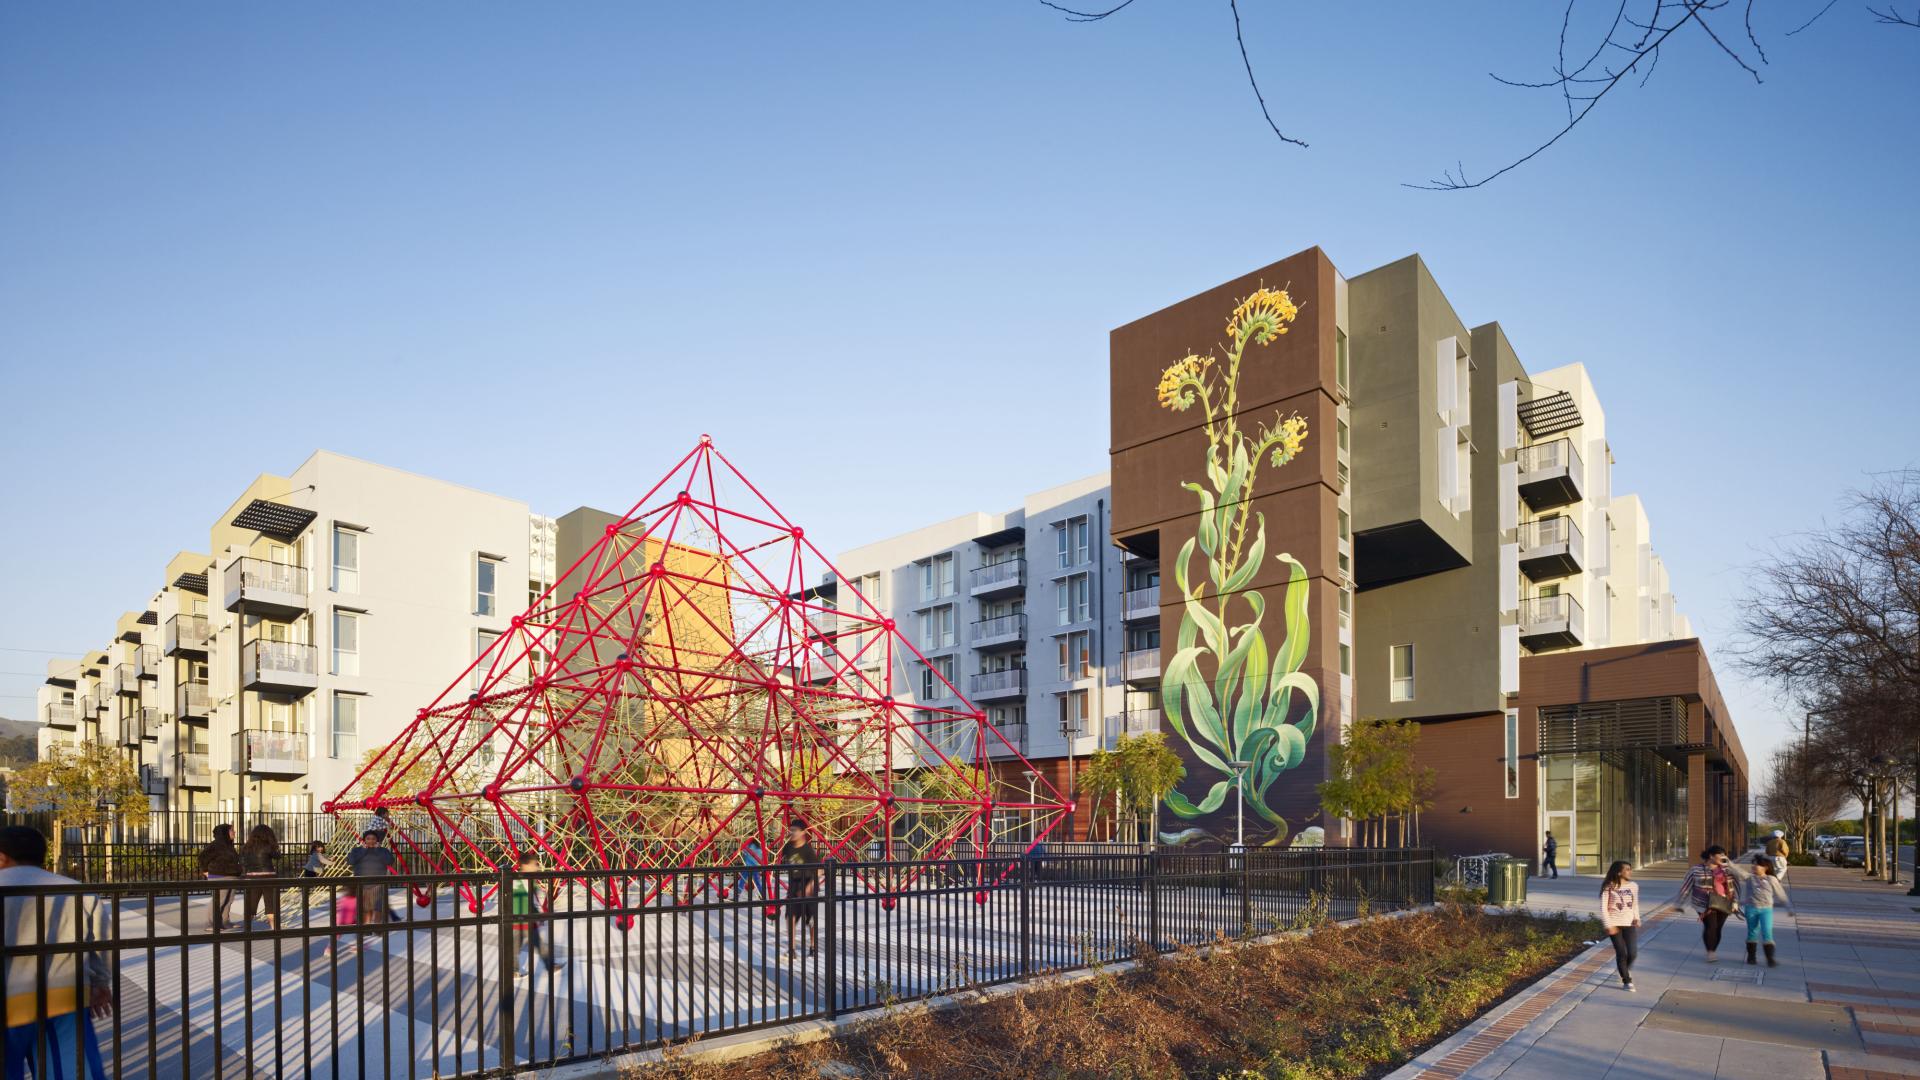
{"x":1844,"y":1004}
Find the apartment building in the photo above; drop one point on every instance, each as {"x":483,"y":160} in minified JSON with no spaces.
{"x":1461,"y":561}
{"x":329,"y":605}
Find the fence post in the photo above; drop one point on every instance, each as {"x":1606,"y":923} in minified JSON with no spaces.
{"x":1028,"y":865}
{"x":1246,"y":893}
{"x":1152,"y":881}
{"x":503,"y":902}
{"x":830,"y":974}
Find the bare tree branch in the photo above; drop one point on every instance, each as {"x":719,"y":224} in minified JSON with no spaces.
{"x":1084,"y":16}
{"x":1237,"y":36}
{"x":1891,"y":17}
{"x":1815,"y":19}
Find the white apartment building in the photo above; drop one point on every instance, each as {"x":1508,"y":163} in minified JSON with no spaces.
{"x":337,"y":602}
{"x":1032,"y":614}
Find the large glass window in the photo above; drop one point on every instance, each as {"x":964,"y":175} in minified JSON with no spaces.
{"x":346,"y":559}
{"x":1401,"y":686}
{"x":1073,"y":712}
{"x":482,"y":641}
{"x":1075,"y":656}
{"x":486,"y":592}
{"x":1075,"y":597}
{"x":1512,"y":764}
{"x":937,"y":627}
{"x":936,"y":577}
{"x":343,"y":732}
{"x":1074,"y":538}
{"x":935,"y":677}
{"x":346,"y":642}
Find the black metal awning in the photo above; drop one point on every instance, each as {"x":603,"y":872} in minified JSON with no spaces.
{"x":274,"y":519}
{"x":193,"y":583}
{"x":149,"y":618}
{"x":1002,"y":537}
{"x":1550,"y":415}
{"x":1658,"y":723}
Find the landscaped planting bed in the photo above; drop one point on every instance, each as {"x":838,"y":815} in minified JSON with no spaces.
{"x":1356,"y":1000}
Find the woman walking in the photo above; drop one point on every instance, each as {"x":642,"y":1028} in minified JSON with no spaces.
{"x":803,"y":888}
{"x":260,"y":858}
{"x":1709,"y":886}
{"x":1759,"y":892}
{"x":1620,"y":911}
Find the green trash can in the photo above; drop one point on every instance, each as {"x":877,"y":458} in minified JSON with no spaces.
{"x":1516,"y":875}
{"x":1499,"y":882}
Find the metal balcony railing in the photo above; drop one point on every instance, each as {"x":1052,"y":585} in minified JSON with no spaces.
{"x":186,"y":633}
{"x":279,"y":665}
{"x":1015,"y":734}
{"x":1555,"y":620}
{"x":130,"y":731}
{"x":1142,"y":603}
{"x":125,"y":680}
{"x":191,"y":700}
{"x":152,"y":721}
{"x":265,"y":585}
{"x":996,"y":683}
{"x":146,"y":662}
{"x":61,"y":716}
{"x":1001,"y":575}
{"x":273,"y":753}
{"x":1141,"y":664}
{"x":1557,"y":455}
{"x":1555,"y":532}
{"x":1000,"y":628}
{"x":151,"y":780}
{"x":195,"y":771}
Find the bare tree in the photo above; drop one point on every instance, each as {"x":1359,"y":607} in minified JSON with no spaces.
{"x":1628,"y":50}
{"x":1801,"y":793}
{"x":1835,"y":616}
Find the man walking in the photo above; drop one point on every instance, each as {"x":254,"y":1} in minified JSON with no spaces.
{"x":1550,"y":864}
{"x":220,"y":861}
{"x":51,"y":1000}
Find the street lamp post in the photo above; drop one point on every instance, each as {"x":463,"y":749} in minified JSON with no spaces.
{"x":1240,"y":769}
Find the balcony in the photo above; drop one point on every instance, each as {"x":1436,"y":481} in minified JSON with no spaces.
{"x":999,"y":630}
{"x":152,"y":722}
{"x":61,"y":717}
{"x":1137,"y":722}
{"x":281,"y":754}
{"x":152,"y":781}
{"x":1141,"y":665}
{"x":1016,"y":736}
{"x":268,"y":589}
{"x":186,"y":636}
{"x":1550,"y":547}
{"x":1140,"y":604}
{"x":280,"y":667}
{"x":820,"y":624}
{"x":195,"y":772}
{"x":191,"y":701}
{"x":1552,"y":622}
{"x":146,"y":662}
{"x":999,"y":577}
{"x":995,"y":685}
{"x":125,"y":681}
{"x":131,"y":733}
{"x":88,"y":709}
{"x":1550,"y":474}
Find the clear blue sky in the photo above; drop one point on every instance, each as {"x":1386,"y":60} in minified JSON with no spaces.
{"x":875,"y":249}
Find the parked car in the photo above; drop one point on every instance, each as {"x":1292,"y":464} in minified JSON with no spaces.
{"x":1820,"y":843}
{"x":1850,"y":851}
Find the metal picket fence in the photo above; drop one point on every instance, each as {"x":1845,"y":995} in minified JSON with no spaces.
{"x":421,"y":976}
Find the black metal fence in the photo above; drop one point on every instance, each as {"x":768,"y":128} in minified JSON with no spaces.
{"x":463,"y":975}
{"x":163,"y":847}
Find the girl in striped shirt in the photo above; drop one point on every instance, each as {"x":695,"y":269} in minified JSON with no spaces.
{"x":1620,"y":911}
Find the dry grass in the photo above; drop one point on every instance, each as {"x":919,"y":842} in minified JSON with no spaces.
{"x":1342,"y":1001}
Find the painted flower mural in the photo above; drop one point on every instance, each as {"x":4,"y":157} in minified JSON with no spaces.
{"x":1226,"y":692}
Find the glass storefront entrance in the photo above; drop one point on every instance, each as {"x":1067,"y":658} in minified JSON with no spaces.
{"x":1614,"y":804}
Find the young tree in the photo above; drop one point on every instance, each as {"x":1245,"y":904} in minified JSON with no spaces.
{"x":81,"y":786}
{"x":1137,"y":773}
{"x":1375,"y":780}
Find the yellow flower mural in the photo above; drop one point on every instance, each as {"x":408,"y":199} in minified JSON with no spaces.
{"x":1241,"y":712}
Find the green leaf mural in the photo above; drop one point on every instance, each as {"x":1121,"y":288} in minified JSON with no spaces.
{"x":1241,"y":713}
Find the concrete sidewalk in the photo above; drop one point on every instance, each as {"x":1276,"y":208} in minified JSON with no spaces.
{"x":1844,"y":1003}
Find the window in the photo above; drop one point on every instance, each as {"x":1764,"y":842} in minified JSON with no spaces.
{"x":346,"y":642}
{"x":1075,"y":541}
{"x":1346,"y":528}
{"x":936,"y":577}
{"x":937,"y":627}
{"x":1346,"y":607}
{"x":1344,"y":435}
{"x":486,"y":579}
{"x":1346,"y":659}
{"x":1075,"y":595}
{"x":1513,"y":753}
{"x":482,"y":641}
{"x":343,"y":733}
{"x":935,"y":677}
{"x":1401,"y":688}
{"x":346,"y":559}
{"x":1075,"y":658}
{"x":1340,"y":359}
{"x":1073,"y":712}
